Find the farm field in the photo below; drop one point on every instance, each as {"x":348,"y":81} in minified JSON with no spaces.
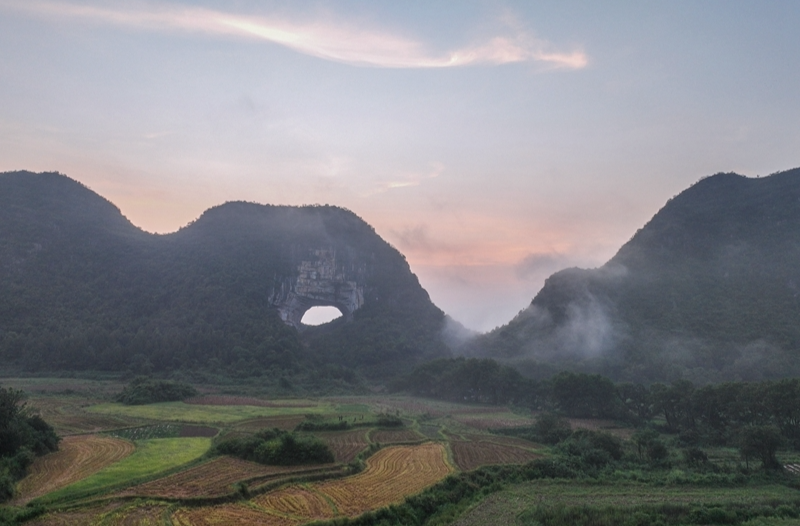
{"x":473,"y":454}
{"x":78,"y":457}
{"x":346,"y":445}
{"x":150,"y":458}
{"x":145,"y":464}
{"x":390,"y":474}
{"x":202,"y":414}
{"x":213,"y":479}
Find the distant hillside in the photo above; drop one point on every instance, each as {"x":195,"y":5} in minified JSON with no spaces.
{"x":709,"y":289}
{"x":81,"y":288}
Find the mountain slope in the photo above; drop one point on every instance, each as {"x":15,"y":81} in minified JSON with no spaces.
{"x":83,"y":288}
{"x":709,"y":288}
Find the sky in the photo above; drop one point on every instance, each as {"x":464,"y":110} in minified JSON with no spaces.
{"x":491,"y":142}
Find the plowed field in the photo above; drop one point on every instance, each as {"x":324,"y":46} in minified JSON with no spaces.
{"x":391,"y":475}
{"x":345,"y":445}
{"x":393,"y":436}
{"x":472,"y":455}
{"x":77,"y":458}
{"x":211,"y":479}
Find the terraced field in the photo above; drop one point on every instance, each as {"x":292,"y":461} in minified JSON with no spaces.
{"x":391,"y":475}
{"x":346,"y":445}
{"x":150,"y":458}
{"x":213,"y":478}
{"x":78,"y":457}
{"x":470,"y":455}
{"x":298,"y":501}
{"x":394,"y":436}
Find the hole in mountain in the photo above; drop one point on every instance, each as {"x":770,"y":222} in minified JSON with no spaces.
{"x":320,"y":315}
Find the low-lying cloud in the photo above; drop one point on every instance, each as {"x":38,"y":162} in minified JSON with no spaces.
{"x":330,"y":40}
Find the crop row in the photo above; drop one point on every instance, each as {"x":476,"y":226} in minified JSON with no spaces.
{"x":78,"y":457}
{"x":470,"y":455}
{"x":391,"y":475}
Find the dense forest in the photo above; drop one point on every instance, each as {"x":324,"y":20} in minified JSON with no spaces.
{"x":708,"y":290}
{"x":81,"y":288}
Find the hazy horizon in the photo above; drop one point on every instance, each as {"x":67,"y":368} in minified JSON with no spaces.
{"x":492,"y":143}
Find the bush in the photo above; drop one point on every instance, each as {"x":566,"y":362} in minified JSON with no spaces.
{"x":143,"y":391}
{"x":278,"y":448}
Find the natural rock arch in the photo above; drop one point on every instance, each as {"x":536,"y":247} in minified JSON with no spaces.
{"x":319,"y":282}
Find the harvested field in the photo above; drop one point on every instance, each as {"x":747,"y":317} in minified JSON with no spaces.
{"x":287,"y":423}
{"x":297,"y":501}
{"x":67,"y":416}
{"x":345,"y":445}
{"x":504,"y":440}
{"x":391,"y":475}
{"x":494,"y":421}
{"x":240,"y":514}
{"x":212,"y":479}
{"x":77,"y":517}
{"x":77,"y":458}
{"x":150,"y":458}
{"x":471,"y":455}
{"x":247,"y":400}
{"x":136,"y":515}
{"x":394,"y":436}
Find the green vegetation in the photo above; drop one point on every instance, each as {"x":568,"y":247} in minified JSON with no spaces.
{"x":202,"y":414}
{"x":143,"y":391}
{"x":276,"y":447}
{"x":150,"y":458}
{"x":148,"y":432}
{"x":23,"y":436}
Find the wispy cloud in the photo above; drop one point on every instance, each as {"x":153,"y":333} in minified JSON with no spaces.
{"x":406,"y":179}
{"x":328,"y":40}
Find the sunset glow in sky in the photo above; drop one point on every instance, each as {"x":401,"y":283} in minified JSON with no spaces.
{"x":492,"y":143}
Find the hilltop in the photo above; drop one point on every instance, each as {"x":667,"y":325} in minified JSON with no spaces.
{"x":81,"y":288}
{"x":708,"y":289}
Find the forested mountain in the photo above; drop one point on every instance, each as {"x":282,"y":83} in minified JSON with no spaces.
{"x":82,"y":288}
{"x":709,"y":289}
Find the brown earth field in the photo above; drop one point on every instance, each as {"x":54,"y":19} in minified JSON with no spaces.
{"x":470,"y":455}
{"x":394,"y":436}
{"x":67,"y":416}
{"x":77,"y":458}
{"x":391,"y":474}
{"x":214,"y":478}
{"x":345,"y":445}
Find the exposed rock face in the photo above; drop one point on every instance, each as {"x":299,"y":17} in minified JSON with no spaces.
{"x":319,"y":282}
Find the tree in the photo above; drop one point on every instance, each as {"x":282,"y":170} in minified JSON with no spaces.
{"x":761,"y":442}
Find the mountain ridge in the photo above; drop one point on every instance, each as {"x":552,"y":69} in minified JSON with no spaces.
{"x":85,"y":288}
{"x":711,"y":280}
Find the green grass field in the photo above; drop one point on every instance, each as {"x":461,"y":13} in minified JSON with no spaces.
{"x":203,"y":414}
{"x":150,"y":458}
